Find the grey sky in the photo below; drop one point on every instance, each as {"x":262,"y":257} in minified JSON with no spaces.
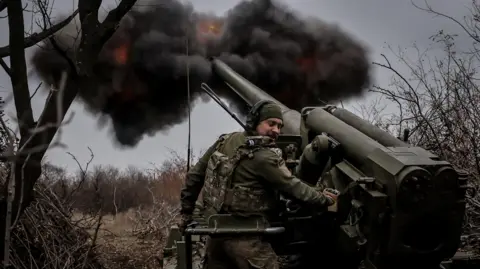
{"x":374,"y":22}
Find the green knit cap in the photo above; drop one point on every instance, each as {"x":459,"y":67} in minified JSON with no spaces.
{"x":270,"y":111}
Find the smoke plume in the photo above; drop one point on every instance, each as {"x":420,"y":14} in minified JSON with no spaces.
{"x":142,"y":70}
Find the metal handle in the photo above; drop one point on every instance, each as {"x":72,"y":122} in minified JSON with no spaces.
{"x":233,"y":231}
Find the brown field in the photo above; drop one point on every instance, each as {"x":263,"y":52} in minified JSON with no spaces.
{"x":127,"y":241}
{"x":103,"y":218}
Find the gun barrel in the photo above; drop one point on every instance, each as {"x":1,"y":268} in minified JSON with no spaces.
{"x":252,"y":94}
{"x":356,"y":144}
{"x":367,"y":128}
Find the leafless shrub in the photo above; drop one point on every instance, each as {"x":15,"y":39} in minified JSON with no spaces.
{"x":153,"y":222}
{"x":437,"y":99}
{"x":46,"y":236}
{"x":126,"y":213}
{"x":131,"y":188}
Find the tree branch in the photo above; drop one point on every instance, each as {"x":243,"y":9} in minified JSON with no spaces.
{"x":37,"y":37}
{"x":28,"y":170}
{"x":93,"y":43}
{"x":5,"y":67}
{"x":429,"y":9}
{"x":90,"y":31}
{"x":18,"y":67}
{"x":112,"y":21}
{"x":3,"y":5}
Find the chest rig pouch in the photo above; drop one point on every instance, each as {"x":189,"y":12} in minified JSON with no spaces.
{"x":218,"y":191}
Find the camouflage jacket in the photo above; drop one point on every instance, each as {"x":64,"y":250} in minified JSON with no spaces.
{"x":254,"y":184}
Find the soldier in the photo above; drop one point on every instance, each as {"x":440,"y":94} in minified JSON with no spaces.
{"x":241,"y":174}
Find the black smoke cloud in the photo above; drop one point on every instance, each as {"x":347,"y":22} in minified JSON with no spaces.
{"x":142,"y":70}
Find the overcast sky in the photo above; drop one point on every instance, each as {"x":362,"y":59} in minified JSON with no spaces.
{"x":374,"y":22}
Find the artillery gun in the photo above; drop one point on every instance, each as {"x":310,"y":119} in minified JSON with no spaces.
{"x":400,"y":206}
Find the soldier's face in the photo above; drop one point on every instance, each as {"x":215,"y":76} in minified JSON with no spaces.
{"x":270,"y":127}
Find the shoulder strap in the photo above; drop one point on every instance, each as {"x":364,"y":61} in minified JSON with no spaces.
{"x":221,"y":140}
{"x":255,"y":143}
{"x":259,"y":141}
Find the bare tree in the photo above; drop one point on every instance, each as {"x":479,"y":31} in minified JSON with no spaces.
{"x":438,"y":98}
{"x":37,"y":135}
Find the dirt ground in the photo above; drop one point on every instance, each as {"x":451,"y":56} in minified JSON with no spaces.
{"x":124,"y":243}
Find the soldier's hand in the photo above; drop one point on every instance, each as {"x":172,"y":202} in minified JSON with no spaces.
{"x":332,"y":194}
{"x":184,"y":221}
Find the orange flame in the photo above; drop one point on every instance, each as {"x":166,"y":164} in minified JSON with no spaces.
{"x":208,"y":28}
{"x":121,"y":54}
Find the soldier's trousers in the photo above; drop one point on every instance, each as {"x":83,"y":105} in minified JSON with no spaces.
{"x":240,"y":253}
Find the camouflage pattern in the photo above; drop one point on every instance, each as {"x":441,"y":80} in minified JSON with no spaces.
{"x":243,"y":175}
{"x":218,"y":177}
{"x":258,"y":178}
{"x":219,"y":192}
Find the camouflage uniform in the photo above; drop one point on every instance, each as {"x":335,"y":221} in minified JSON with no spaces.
{"x":242,"y":174}
{"x":259,"y":173}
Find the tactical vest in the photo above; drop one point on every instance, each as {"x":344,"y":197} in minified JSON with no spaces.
{"x":219,"y":192}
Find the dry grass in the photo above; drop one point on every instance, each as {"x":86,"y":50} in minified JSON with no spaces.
{"x":136,"y":208}
{"x":103,"y":218}
{"x":46,"y":237}
{"x":132,"y":239}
